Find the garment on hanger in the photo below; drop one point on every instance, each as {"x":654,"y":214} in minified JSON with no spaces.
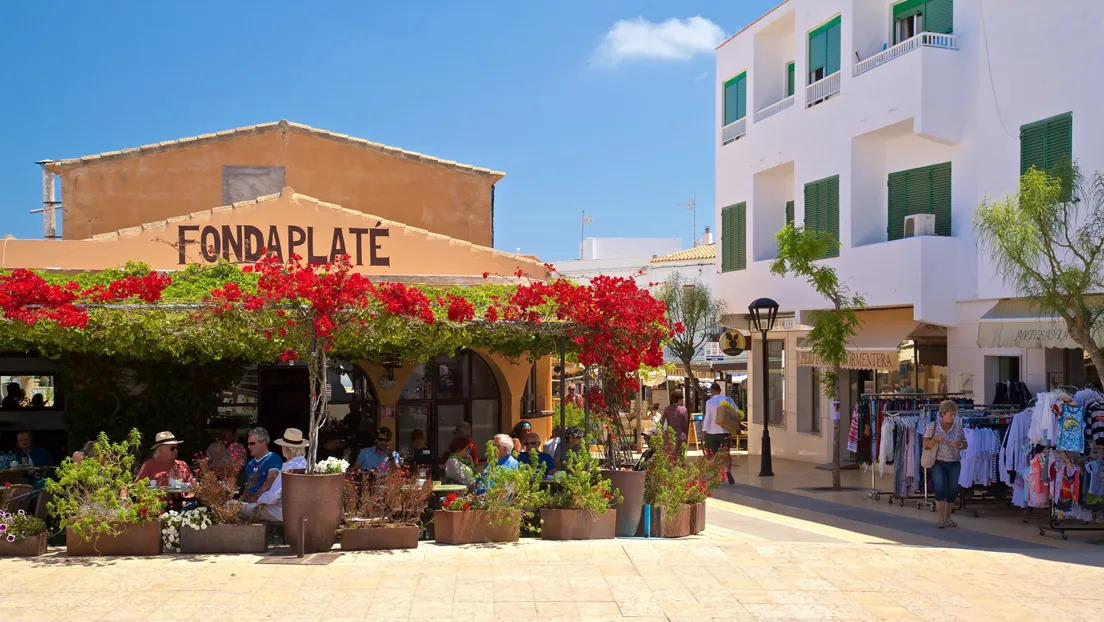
{"x":853,"y":434}
{"x":1071,"y":428}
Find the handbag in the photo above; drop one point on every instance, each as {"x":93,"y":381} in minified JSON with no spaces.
{"x":729,"y":417}
{"x":927,"y":455}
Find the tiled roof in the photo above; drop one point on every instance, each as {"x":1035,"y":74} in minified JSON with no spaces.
{"x":260,"y":128}
{"x":295,"y":196}
{"x":705,"y":251}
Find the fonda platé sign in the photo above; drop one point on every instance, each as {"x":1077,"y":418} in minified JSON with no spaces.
{"x":244,"y":243}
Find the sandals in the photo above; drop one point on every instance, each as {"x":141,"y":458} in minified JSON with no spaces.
{"x":940,"y":524}
{"x":950,"y":523}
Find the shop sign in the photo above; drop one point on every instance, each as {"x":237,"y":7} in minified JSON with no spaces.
{"x":856,"y":359}
{"x":713,"y":351}
{"x":733,"y":343}
{"x":243,"y":243}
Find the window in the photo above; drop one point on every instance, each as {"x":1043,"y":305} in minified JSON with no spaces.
{"x":916,"y":16}
{"x":789,"y":212}
{"x":822,"y":210}
{"x":776,"y":384}
{"x":1048,"y":146}
{"x":32,"y":391}
{"x":925,"y":190}
{"x":529,"y":396}
{"x":824,"y":50}
{"x":808,"y":400}
{"x":735,"y":98}
{"x":789,"y":78}
{"x":734,"y":237}
{"x":245,"y":183}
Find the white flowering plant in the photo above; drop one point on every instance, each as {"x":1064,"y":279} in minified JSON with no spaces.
{"x":330,"y":466}
{"x":172,"y":522}
{"x":15,"y":527}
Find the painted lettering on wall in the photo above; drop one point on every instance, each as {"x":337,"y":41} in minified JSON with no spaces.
{"x":243,"y":243}
{"x":855,"y":359}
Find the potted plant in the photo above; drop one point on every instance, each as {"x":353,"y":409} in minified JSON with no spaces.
{"x":312,"y":505}
{"x":384,"y":511}
{"x":665,"y":488}
{"x":703,"y":477}
{"x":504,"y":500}
{"x":21,"y":535}
{"x":100,"y":506}
{"x":579,"y":504}
{"x":218,"y":526}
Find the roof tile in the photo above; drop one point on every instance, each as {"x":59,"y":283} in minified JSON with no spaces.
{"x":705,"y":251}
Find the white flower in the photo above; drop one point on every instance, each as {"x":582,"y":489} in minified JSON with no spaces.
{"x":332,"y":465}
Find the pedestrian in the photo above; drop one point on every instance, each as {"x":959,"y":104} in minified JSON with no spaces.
{"x":677,"y":418}
{"x":946,"y":435}
{"x":717,"y":438}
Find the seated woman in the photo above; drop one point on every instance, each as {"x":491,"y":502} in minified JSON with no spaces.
{"x":164,"y":465}
{"x":460,"y":468}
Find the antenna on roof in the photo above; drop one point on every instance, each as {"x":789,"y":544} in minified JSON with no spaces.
{"x":693,"y":207}
{"x":582,"y":232}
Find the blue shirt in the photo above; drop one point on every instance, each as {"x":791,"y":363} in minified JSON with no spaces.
{"x":542,"y":458}
{"x":256,"y":471}
{"x":38,"y":455}
{"x":370,"y":459}
{"x":509,"y":462}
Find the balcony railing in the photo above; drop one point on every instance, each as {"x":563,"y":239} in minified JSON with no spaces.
{"x":924,"y":39}
{"x":822,"y":89}
{"x":774,"y":108}
{"x":733,"y":130}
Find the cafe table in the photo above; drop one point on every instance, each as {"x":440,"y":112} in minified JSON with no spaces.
{"x":175,"y":494}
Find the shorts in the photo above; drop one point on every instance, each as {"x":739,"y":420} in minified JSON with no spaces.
{"x":718,"y":442}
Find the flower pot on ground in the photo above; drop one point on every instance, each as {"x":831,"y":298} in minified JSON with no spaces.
{"x":667,"y":483}
{"x":697,"y":517}
{"x":124,"y":539}
{"x":247,"y":538}
{"x":702,"y":479}
{"x":21,"y":535}
{"x":316,"y":498}
{"x":630,"y":484}
{"x":100,"y":506}
{"x":472,"y":527}
{"x":221,"y":525}
{"x":383,"y":511}
{"x":578,"y":507}
{"x":670,"y":523}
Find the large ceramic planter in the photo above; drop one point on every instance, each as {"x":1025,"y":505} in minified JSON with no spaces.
{"x":631,"y":486}
{"x":380,"y":538}
{"x":470,"y":528}
{"x":31,"y":546}
{"x":577,"y":525}
{"x":224,"y":539}
{"x":134,"y":539}
{"x":670,"y":524}
{"x":318,"y":499}
{"x":697,"y":517}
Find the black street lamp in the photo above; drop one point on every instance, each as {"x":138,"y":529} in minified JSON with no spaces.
{"x":763,"y":313}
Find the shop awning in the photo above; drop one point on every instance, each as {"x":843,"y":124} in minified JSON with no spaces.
{"x":878,"y":343}
{"x":738,"y":378}
{"x":1018,"y":323}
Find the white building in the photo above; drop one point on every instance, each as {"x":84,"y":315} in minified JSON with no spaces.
{"x":846,"y":115}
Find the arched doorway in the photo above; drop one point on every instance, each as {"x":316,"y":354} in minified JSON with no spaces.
{"x":440,"y":394}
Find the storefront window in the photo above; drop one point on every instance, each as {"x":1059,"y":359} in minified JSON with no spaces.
{"x":776,"y":384}
{"x":808,"y":400}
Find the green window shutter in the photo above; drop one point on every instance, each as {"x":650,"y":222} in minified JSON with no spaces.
{"x":810,"y":206}
{"x":941,"y":198}
{"x":898,"y":207}
{"x":735,"y":98}
{"x":1033,"y":147}
{"x":822,"y":209}
{"x":740,"y":219}
{"x":939,"y":16}
{"x":789,"y":212}
{"x":907,"y":9}
{"x":726,"y":239}
{"x":1048,"y":146}
{"x":918,"y":190}
{"x":832,"y":63}
{"x":789,"y":78}
{"x":831,"y":225}
{"x":818,"y":54}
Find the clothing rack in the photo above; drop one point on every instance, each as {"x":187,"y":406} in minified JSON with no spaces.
{"x":994,"y":416}
{"x":1057,"y":525}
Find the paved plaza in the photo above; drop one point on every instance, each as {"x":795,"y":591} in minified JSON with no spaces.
{"x":770,"y":552}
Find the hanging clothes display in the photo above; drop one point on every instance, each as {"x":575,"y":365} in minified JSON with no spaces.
{"x":853,"y":433}
{"x":1015,"y":451}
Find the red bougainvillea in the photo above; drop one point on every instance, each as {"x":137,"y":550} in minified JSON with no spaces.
{"x":26,"y":297}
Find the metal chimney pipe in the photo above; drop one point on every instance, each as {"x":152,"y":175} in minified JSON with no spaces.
{"x":49,"y":203}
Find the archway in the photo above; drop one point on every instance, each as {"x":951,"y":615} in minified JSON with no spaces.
{"x":449,"y":390}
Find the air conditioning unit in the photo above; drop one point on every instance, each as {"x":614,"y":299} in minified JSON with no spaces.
{"x":919,"y":224}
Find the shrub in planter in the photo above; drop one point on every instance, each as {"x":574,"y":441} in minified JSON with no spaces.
{"x":21,"y":535}
{"x":218,"y":526}
{"x":665,"y":483}
{"x":505,"y":499}
{"x":579,"y":505}
{"x":383,"y":511}
{"x":703,"y":477}
{"x":100,"y":506}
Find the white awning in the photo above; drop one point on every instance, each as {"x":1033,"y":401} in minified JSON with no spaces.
{"x":737,"y":378}
{"x":1018,"y":323}
{"x":878,"y":343}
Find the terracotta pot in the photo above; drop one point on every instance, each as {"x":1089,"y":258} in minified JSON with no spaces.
{"x":31,"y":546}
{"x":470,"y":527}
{"x":224,"y":539}
{"x":318,"y":499}
{"x":134,"y":539}
{"x":380,"y":538}
{"x":578,"y":525}
{"x":671,"y":524}
{"x":697,"y":517}
{"x":631,"y":486}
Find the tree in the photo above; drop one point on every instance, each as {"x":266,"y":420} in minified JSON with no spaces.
{"x":1047,"y":244}
{"x":798,"y":252}
{"x":692,"y":306}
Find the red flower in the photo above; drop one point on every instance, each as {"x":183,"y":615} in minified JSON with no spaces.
{"x":465,"y":506}
{"x":486,"y":274}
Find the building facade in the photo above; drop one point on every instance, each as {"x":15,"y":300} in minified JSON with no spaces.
{"x":885,"y":123}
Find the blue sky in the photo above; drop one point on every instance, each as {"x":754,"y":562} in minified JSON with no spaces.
{"x":597,"y":105}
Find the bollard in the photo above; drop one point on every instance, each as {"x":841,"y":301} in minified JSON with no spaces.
{"x":647,"y":520}
{"x":302,"y":535}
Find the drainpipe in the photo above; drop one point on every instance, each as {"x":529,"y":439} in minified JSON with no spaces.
{"x":49,"y":204}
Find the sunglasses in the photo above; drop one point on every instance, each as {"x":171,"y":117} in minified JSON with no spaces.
{"x":531,"y":444}
{"x":175,"y":449}
{"x":252,"y":443}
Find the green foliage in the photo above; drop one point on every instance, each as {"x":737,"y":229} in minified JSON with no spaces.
{"x":666,"y":475}
{"x":580,"y":486}
{"x":1048,"y":246}
{"x":512,"y":495}
{"x":692,"y":304}
{"x":704,"y":476}
{"x":798,"y":252}
{"x":98,"y":494}
{"x":15,"y":527}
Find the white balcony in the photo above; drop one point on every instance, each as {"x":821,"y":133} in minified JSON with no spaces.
{"x":822,"y":89}
{"x":924,"y":39}
{"x":733,"y":130}
{"x":774,"y":108}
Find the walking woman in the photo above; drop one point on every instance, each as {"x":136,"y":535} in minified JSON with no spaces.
{"x":945,"y":434}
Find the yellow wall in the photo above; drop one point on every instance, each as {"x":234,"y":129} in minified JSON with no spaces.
{"x":125,"y":191}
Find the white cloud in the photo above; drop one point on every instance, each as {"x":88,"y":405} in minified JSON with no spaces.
{"x":674,"y":39}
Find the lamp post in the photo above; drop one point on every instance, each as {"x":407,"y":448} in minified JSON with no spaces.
{"x":763,"y":313}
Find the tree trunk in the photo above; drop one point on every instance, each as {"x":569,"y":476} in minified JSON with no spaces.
{"x":1083,"y":337}
{"x":836,"y":485}
{"x":692,"y":384}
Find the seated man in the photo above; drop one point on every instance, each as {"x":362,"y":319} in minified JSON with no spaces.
{"x":504,"y":447}
{"x":28,"y":453}
{"x":533,"y":442}
{"x":269,"y":506}
{"x":262,"y":469}
{"x":164,"y":465}
{"x":377,"y":456}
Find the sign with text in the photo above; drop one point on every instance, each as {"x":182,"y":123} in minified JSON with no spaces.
{"x":856,"y":359}
{"x":713,"y":351}
{"x":243,"y":243}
